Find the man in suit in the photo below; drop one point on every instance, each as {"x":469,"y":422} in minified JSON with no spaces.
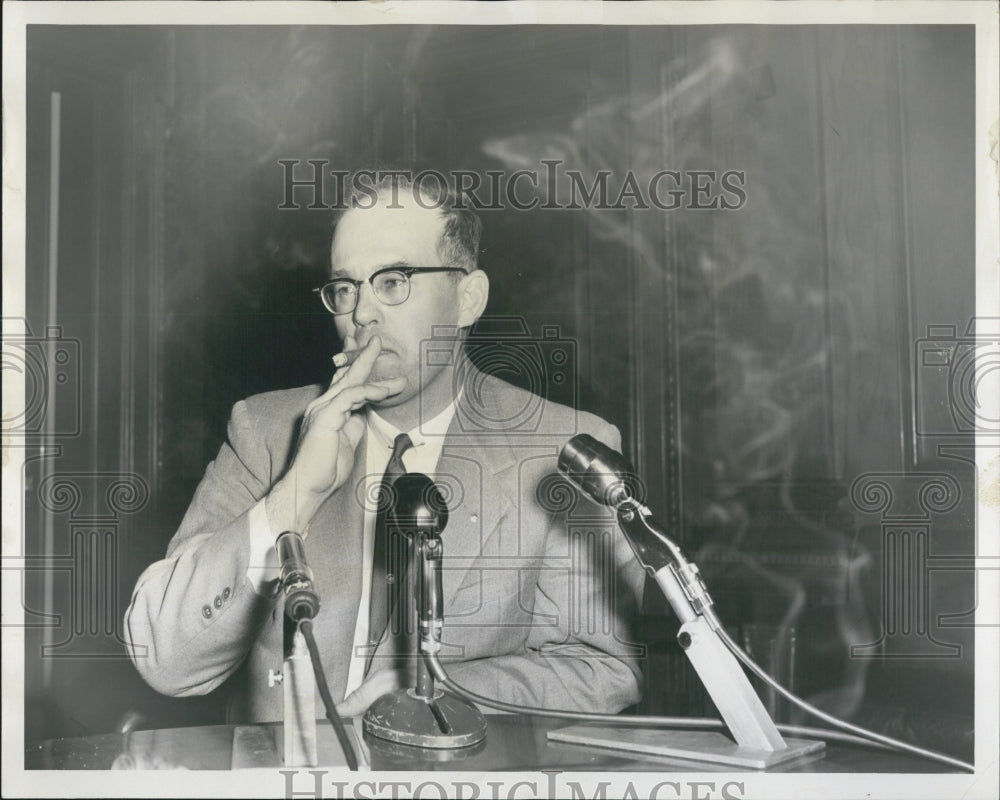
{"x":538,"y":587}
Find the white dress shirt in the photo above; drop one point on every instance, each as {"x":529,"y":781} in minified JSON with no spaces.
{"x":423,"y":456}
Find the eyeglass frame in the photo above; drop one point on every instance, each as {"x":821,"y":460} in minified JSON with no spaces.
{"x":407,"y":271}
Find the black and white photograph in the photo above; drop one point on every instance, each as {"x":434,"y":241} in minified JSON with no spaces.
{"x":501,"y":400}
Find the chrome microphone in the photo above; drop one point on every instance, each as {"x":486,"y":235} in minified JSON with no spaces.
{"x":601,"y":473}
{"x":423,"y":716}
{"x":420,"y":513}
{"x":418,"y":507}
{"x":606,"y":477}
{"x":301,"y":600}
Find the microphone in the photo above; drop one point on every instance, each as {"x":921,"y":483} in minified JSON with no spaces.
{"x":420,"y":513}
{"x":301,"y":601}
{"x":606,"y":477}
{"x":419,"y":507}
{"x":423,"y":716}
{"x":601,"y":473}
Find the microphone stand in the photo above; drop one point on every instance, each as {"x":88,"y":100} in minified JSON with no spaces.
{"x":296,"y":677}
{"x":299,"y":712}
{"x":758,"y":741}
{"x":302,"y":673}
{"x":424,"y":716}
{"x":601,"y":473}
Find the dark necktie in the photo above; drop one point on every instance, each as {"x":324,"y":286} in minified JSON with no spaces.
{"x":387,"y":595}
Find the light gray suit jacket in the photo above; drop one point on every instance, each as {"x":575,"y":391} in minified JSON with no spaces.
{"x":539,"y":586}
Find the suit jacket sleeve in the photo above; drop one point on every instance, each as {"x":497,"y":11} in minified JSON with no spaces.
{"x":580,"y":652}
{"x":195,"y":614}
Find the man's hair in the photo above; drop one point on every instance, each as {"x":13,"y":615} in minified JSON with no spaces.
{"x":462,"y":232}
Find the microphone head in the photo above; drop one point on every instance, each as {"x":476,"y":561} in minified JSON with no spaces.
{"x":598,"y":471}
{"x":418,"y":504}
{"x":301,"y":602}
{"x":292,"y":557}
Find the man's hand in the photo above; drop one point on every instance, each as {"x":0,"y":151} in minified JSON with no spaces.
{"x":330,"y":432}
{"x":357,"y":702}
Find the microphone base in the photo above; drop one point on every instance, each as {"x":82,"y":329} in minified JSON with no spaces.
{"x":404,"y":717}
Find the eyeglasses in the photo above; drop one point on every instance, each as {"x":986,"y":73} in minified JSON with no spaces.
{"x":390,"y":284}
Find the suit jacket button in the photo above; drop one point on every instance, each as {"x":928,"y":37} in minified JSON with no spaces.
{"x":218,"y":601}
{"x":225,"y":593}
{"x":206,"y":611}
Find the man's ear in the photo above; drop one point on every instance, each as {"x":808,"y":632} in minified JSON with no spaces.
{"x":473,"y":292}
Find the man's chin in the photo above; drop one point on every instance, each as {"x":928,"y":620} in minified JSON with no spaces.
{"x":392,"y":399}
{"x":383,"y":370}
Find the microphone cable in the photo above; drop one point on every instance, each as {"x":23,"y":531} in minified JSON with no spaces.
{"x":855,"y":734}
{"x":305,"y":626}
{"x":855,"y":730}
{"x":600,"y":473}
{"x":301,"y":605}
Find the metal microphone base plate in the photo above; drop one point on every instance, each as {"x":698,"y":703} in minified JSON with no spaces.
{"x":707,"y":747}
{"x":402,"y":716}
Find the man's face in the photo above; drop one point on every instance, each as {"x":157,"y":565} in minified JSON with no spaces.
{"x":367,"y":240}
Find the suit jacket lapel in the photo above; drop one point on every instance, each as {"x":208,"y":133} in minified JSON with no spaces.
{"x":334,"y":549}
{"x":477,"y":473}
{"x":474,"y":473}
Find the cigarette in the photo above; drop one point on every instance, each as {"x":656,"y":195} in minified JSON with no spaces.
{"x":343,"y":359}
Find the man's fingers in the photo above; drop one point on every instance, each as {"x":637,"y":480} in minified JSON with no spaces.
{"x":357,"y":704}
{"x":354,"y":429}
{"x":354,"y":397}
{"x":349,"y":352}
{"x":371,"y":690}
{"x":358,"y":371}
{"x":338,"y":392}
{"x":351,"y":398}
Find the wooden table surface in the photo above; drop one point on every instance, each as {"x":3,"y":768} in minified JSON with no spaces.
{"x":513,"y":743}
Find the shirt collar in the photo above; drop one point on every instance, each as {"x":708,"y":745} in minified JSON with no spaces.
{"x":434,"y":428}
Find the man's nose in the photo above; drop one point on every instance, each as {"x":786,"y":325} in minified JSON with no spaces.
{"x":369,"y":307}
